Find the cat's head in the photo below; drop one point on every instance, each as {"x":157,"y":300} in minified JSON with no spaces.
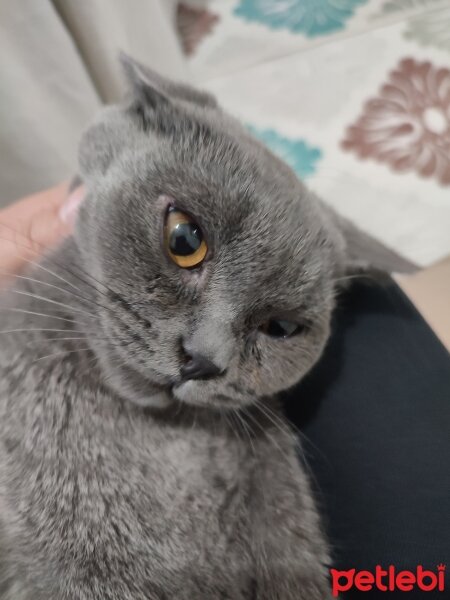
{"x":217,"y":268}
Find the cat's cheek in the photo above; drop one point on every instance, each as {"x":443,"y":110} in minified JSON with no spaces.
{"x":283,"y":363}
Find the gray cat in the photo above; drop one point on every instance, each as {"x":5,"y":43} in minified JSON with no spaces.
{"x":143,"y":454}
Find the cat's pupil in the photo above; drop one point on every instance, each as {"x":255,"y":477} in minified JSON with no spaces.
{"x":185,"y":239}
{"x":281,"y":329}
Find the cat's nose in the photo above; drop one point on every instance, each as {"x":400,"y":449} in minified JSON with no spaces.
{"x":199,"y":367}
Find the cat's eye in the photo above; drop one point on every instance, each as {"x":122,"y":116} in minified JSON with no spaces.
{"x":184,"y":239}
{"x":279,"y":328}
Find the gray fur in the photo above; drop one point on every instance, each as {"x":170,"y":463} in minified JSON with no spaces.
{"x":117,"y":480}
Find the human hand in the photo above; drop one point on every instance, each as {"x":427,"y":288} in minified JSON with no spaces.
{"x":32,"y":225}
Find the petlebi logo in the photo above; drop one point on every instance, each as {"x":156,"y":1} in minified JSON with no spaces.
{"x":388,"y":580}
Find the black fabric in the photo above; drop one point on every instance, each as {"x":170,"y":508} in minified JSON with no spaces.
{"x":374,"y":415}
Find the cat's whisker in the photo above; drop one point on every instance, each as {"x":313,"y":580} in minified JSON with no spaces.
{"x":37,"y":264}
{"x":273,"y":418}
{"x":44,"y":251}
{"x":246,"y":428}
{"x":61,"y":353}
{"x":33,"y":280}
{"x":53,"y":261}
{"x":223,"y":419}
{"x":64,"y":290}
{"x":44,"y":299}
{"x":51,"y":285}
{"x":265,"y":432}
{"x":232,"y":424}
{"x":216,"y":426}
{"x":64,"y":339}
{"x":287,"y":427}
{"x":38,"y":314}
{"x":32,"y":330}
{"x":278,"y":422}
{"x":290,"y":428}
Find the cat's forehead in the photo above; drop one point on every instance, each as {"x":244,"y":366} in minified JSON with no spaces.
{"x":266,"y":239}
{"x":232,"y":175}
{"x":245,"y":198}
{"x":262,"y":224}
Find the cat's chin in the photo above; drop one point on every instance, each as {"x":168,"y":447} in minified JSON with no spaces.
{"x":140,"y":392}
{"x":129,"y":384}
{"x":159,"y":400}
{"x":202,"y":394}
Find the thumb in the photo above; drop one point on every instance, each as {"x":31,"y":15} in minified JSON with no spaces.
{"x":32,"y":225}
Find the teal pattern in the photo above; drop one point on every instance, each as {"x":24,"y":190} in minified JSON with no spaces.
{"x":310,"y":17}
{"x":296,"y":152}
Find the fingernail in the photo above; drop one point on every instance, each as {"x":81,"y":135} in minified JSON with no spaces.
{"x":69,"y":209}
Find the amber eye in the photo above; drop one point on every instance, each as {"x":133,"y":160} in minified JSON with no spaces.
{"x":184,"y":239}
{"x":278,"y":328}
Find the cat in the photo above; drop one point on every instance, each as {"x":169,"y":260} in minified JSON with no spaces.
{"x":143,"y":451}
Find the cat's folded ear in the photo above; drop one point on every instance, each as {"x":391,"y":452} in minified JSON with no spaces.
{"x":155,"y":105}
{"x":153,"y":90}
{"x":363,"y":254}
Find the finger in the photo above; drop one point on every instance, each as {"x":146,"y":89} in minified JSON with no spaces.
{"x":35,"y":203}
{"x":34,"y":224}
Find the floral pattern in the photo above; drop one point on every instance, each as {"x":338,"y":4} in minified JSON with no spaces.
{"x":407,"y":126}
{"x":393,"y":6}
{"x":432,"y":29}
{"x":311,"y":17}
{"x":296,"y":152}
{"x":193,"y":25}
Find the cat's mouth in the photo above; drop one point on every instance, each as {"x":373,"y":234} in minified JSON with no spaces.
{"x":158,"y":390}
{"x":203,"y":393}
